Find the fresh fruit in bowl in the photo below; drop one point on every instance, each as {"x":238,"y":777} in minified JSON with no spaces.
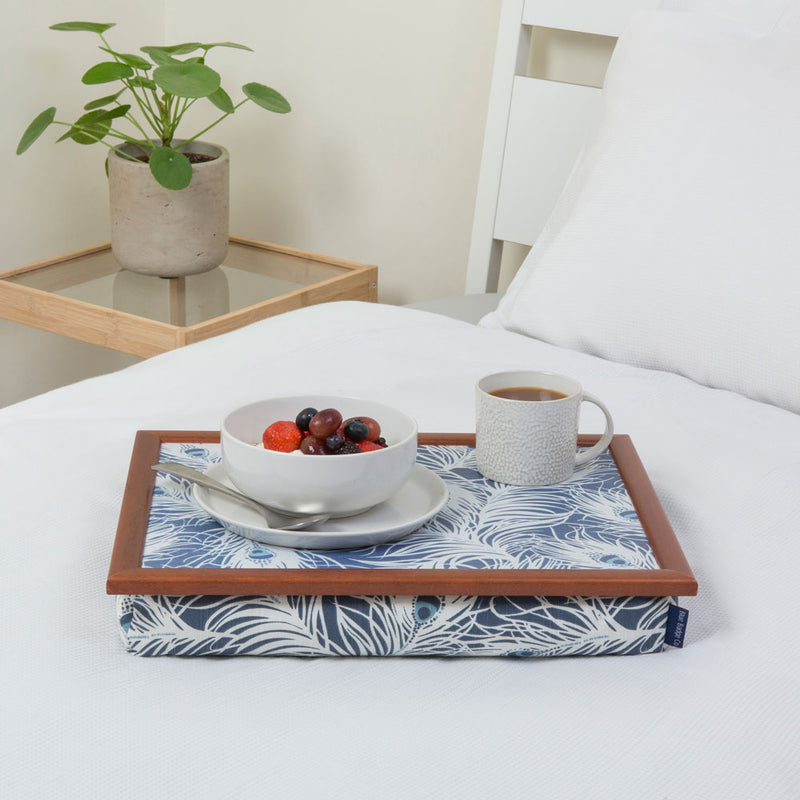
{"x":280,"y":454}
{"x":324,"y":433}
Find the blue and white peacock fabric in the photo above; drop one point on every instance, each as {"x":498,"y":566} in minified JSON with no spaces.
{"x":586,"y":522}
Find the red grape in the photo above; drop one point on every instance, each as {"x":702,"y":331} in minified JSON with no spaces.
{"x":325,"y":422}
{"x":312,"y":446}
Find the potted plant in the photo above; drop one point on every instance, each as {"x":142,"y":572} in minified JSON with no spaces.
{"x":168,"y":195}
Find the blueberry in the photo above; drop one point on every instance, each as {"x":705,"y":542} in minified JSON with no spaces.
{"x":334,"y":441}
{"x":304,"y":417}
{"x":356,"y":430}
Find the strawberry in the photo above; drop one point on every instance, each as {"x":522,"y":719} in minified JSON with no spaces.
{"x":283,"y":435}
{"x":366,"y":446}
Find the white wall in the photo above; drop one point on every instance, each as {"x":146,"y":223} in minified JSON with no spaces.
{"x":54,"y":197}
{"x":377,"y":162}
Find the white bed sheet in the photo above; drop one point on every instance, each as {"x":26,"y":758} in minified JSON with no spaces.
{"x":82,"y":718}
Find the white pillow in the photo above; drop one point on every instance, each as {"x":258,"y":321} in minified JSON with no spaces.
{"x":676,"y":242}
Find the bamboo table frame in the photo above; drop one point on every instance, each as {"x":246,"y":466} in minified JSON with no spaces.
{"x":127,"y":576}
{"x":29,"y":295}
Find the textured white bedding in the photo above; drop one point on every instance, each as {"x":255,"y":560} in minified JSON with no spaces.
{"x":81,"y":718}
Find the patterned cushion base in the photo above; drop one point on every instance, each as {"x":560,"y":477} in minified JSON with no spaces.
{"x":392,"y":626}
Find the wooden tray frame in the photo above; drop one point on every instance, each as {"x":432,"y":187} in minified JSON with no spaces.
{"x":127,"y":576}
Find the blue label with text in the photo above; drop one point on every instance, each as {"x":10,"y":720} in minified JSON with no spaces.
{"x":676,"y":625}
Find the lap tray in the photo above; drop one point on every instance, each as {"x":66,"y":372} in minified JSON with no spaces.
{"x":587,"y":567}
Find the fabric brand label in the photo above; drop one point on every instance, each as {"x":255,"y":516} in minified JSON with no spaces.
{"x":676,"y":625}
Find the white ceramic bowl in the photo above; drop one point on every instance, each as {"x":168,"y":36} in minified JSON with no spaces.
{"x":339,"y":485}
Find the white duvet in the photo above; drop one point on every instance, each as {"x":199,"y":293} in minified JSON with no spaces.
{"x":82,"y":718}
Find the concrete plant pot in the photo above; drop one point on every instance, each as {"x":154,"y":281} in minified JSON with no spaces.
{"x":158,"y":231}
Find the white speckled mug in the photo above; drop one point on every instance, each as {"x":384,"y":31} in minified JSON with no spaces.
{"x":532,"y":442}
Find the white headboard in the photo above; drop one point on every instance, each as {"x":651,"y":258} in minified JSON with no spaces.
{"x":535,"y":127}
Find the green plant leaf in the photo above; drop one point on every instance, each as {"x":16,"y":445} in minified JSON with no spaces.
{"x":131,"y":59}
{"x":93,"y":126}
{"x":142,"y":82}
{"x":117,"y":111}
{"x":221,"y":99}
{"x":182,"y":49}
{"x":102,"y":101}
{"x":90,"y":27}
{"x":187,"y":80}
{"x":159,"y":55}
{"x":36,"y":129}
{"x":105,"y":72}
{"x":89,"y":128}
{"x":226,"y":44}
{"x":267,"y":98}
{"x":170,"y":168}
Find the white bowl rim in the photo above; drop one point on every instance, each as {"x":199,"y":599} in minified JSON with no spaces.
{"x":389,"y":446}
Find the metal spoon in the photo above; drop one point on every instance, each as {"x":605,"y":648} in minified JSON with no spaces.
{"x":279,"y":520}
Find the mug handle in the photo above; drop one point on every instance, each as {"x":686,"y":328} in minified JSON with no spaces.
{"x":584,"y":457}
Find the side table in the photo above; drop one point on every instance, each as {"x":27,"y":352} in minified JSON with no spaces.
{"x":86,"y":295}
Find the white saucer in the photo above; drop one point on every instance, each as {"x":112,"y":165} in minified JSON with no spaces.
{"x":421,"y":497}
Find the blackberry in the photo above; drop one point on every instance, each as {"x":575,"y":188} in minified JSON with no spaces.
{"x":348,"y":447}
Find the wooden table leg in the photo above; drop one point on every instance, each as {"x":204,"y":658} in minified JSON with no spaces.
{"x":177,"y":301}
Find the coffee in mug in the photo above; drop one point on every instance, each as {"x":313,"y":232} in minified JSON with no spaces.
{"x":526,"y":427}
{"x":527,"y":393}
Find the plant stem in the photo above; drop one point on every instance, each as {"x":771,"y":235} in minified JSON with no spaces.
{"x":216,"y":122}
{"x":168,"y":129}
{"x":135,"y":122}
{"x":143,"y":107}
{"x":146,"y":108}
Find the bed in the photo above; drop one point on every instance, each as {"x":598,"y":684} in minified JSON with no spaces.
{"x":666,"y":281}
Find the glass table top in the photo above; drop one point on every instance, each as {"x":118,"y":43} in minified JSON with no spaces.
{"x":249,"y":275}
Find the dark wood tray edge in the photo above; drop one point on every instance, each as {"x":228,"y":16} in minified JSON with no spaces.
{"x":126,"y":575}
